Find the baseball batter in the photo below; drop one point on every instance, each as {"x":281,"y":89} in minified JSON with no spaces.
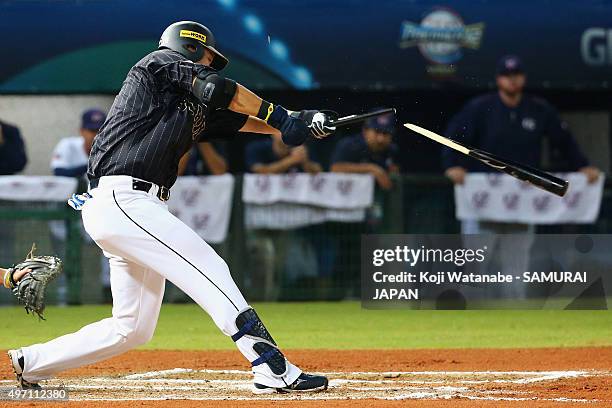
{"x":172,"y":98}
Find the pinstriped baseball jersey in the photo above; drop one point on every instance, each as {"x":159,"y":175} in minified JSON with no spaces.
{"x":155,"y":119}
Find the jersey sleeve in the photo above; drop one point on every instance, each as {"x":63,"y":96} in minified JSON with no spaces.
{"x":172,"y":68}
{"x":222,"y":124}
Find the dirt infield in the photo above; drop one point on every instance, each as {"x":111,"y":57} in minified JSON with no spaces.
{"x":372,"y":378}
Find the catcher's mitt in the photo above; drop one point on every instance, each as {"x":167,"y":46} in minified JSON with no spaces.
{"x":30,"y":290}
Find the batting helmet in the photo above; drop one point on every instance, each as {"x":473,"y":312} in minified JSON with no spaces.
{"x":180,"y":35}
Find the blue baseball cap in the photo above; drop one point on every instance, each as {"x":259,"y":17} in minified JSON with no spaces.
{"x":509,"y":64}
{"x":382,"y":123}
{"x":93,"y":119}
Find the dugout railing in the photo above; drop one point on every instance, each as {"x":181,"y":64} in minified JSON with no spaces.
{"x":312,"y":263}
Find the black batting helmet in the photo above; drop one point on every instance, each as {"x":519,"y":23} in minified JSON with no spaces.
{"x":183,"y":33}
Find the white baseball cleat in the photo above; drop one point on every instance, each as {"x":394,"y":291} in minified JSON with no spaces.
{"x":16,"y":357}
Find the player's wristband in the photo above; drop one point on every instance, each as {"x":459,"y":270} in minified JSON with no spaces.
{"x":265,"y":110}
{"x":8,"y":281}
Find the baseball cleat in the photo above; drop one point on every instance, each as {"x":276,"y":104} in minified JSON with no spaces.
{"x":16,"y":357}
{"x":304,"y":383}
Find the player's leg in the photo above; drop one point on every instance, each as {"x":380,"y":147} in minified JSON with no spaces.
{"x":137,"y":295}
{"x":150,"y":235}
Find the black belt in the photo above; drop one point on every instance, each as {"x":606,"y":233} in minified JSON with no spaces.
{"x":163,"y":193}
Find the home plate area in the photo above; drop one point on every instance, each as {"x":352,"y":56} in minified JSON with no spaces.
{"x":189,"y":384}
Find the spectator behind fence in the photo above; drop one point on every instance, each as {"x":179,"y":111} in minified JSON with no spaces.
{"x":512,"y":125}
{"x":372,"y":151}
{"x":204,"y":159}
{"x":71,"y":154}
{"x":69,"y":159}
{"x":272,"y":156}
{"x":13,"y":159}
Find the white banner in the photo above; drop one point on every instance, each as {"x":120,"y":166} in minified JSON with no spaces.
{"x":289,"y":216}
{"x":502,"y":198}
{"x":204,"y":203}
{"x":296,"y":200}
{"x":328,"y":190}
{"x":37,"y":188}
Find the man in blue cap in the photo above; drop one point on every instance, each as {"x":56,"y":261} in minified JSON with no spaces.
{"x":71,"y":153}
{"x":512,"y":125}
{"x":372,"y":151}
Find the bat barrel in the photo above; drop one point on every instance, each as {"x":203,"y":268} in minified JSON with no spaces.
{"x":533,"y":176}
{"x":528,"y":174}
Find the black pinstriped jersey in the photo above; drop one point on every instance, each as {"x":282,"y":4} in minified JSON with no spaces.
{"x":155,"y":119}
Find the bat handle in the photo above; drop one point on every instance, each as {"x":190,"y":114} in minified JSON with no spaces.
{"x":351,"y":119}
{"x":330,"y":116}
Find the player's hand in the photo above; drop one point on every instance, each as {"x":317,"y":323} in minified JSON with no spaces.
{"x":318,"y":122}
{"x":19,"y":274}
{"x":456,"y":174}
{"x":591,"y":173}
{"x":319,"y":126}
{"x":312,"y":167}
{"x":382,"y":177}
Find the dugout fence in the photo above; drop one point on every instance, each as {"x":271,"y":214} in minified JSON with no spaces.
{"x":315,"y":262}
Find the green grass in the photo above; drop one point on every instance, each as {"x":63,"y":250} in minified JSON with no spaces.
{"x":339,"y":326}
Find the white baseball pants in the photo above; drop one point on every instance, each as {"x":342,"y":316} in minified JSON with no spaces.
{"x":146,"y":245}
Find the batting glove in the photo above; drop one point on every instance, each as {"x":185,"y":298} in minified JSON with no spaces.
{"x":319,"y":127}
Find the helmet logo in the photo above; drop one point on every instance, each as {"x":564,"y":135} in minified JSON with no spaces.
{"x":192,"y":34}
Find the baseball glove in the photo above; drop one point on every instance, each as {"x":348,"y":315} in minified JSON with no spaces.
{"x":30,"y":290}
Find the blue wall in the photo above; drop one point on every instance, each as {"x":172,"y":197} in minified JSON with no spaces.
{"x":87,"y":46}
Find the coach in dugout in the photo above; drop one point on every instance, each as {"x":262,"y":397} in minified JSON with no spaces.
{"x":371,"y":151}
{"x":70,"y":155}
{"x":512,"y":125}
{"x":272,"y":156}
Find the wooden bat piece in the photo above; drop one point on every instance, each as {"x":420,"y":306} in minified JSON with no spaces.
{"x":531,"y":175}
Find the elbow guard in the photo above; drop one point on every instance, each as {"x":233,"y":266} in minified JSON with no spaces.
{"x":213,"y":90}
